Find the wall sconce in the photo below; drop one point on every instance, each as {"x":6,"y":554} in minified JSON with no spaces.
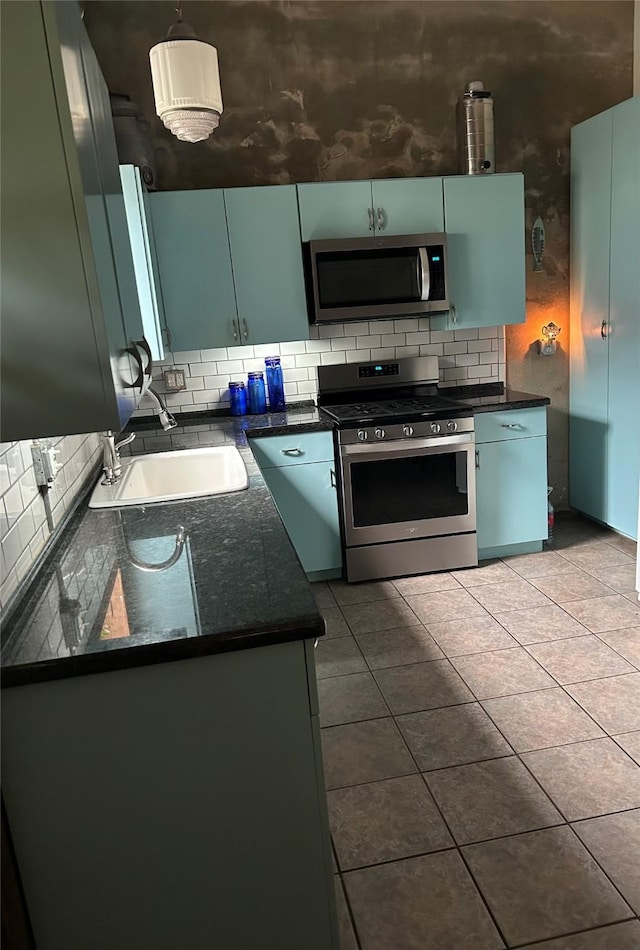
{"x":186,"y":83}
{"x":550,"y":333}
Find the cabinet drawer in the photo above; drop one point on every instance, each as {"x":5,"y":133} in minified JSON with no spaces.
{"x":276,"y":451}
{"x":510,"y":424}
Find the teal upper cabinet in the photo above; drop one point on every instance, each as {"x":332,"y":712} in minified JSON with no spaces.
{"x":194,"y":262}
{"x":140,"y":242}
{"x":347,"y":209}
{"x":230,"y":266}
{"x":340,"y":209}
{"x":266,"y":256}
{"x":64,"y":366}
{"x":408,"y":205}
{"x":484,"y":221}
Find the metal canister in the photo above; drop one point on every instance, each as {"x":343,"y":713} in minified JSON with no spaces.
{"x":476,"y":146}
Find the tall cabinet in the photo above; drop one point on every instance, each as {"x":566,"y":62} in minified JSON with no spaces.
{"x":604,"y":447}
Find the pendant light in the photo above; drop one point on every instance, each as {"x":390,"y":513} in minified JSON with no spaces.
{"x":186,"y":82}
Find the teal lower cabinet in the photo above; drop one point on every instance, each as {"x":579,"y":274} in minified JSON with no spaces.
{"x":140,"y":823}
{"x":511,"y":481}
{"x":299,"y":471}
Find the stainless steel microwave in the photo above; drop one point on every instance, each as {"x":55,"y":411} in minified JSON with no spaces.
{"x":376,"y":277}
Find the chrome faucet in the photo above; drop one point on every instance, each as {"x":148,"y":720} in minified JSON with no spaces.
{"x":167,"y":421}
{"x":111,"y":464}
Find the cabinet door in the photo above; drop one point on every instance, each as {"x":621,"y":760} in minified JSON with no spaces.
{"x":623,"y":456}
{"x":264,"y":238}
{"x":590,"y":239}
{"x":192,"y":245}
{"x":276,"y":451}
{"x":307,"y":502}
{"x":57,"y":376}
{"x":484,"y":221}
{"x":408,"y":205}
{"x":511,"y":489}
{"x":341,"y":209}
{"x":144,"y":266}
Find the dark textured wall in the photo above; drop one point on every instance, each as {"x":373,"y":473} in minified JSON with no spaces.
{"x":327,"y":90}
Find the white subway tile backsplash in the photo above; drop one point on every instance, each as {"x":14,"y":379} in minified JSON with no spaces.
{"x":266,"y":349}
{"x":381,"y":326}
{"x":294,"y":375}
{"x":343,"y":343}
{"x":28,"y":487}
{"x":333,"y":329}
{"x":384,"y":353}
{"x":197,"y":356}
{"x":450,"y":348}
{"x":215,"y":382}
{"x":394,"y":339}
{"x":423,"y":336}
{"x":455,"y":374}
{"x":407,"y":352}
{"x":358,"y":356}
{"x":465,"y":334}
{"x":431,"y":349}
{"x":317,"y":346}
{"x":338,"y":356}
{"x":405,"y":326}
{"x":486,"y":333}
{"x":489,"y":357}
{"x":244,"y":352}
{"x":366,"y":342}
{"x":230,"y":366}
{"x":288,"y":349}
{"x":207,"y":356}
{"x":479,"y":346}
{"x":306,"y":359}
{"x":208,"y":368}
{"x":467,"y":359}
{"x":13,"y":504}
{"x":441,"y":336}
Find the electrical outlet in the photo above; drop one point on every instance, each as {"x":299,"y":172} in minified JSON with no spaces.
{"x":174,"y":380}
{"x":45,"y":465}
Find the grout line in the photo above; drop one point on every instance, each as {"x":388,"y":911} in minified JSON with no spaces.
{"x":574,"y":933}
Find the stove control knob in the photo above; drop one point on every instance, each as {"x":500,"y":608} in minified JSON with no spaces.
{"x":435,"y":427}
{"x":380,"y":433}
{"x":452,"y":426}
{"x":363,"y":435}
{"x":407,"y":430}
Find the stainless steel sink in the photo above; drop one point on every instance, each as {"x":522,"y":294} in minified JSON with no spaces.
{"x":167,"y":476}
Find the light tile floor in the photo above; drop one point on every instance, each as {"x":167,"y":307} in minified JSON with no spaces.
{"x":481,"y":735}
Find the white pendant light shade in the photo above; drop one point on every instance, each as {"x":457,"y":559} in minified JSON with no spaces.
{"x":186,"y":84}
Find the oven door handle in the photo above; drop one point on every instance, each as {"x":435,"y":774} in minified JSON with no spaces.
{"x":409,"y":446}
{"x":424,"y":273}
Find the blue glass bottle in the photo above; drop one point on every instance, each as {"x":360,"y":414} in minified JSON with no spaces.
{"x":238,"y":399}
{"x":256,"y":393}
{"x":275,"y":383}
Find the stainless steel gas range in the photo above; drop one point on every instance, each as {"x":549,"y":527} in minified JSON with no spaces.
{"x":405,"y":458}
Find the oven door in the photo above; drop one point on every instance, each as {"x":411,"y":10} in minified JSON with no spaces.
{"x":406,"y":490}
{"x":378,"y":277}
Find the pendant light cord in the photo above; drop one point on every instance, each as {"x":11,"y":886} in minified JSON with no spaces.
{"x":179,"y":10}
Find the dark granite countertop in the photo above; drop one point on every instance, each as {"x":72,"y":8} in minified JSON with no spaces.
{"x":488,"y":397}
{"x":237,"y":584}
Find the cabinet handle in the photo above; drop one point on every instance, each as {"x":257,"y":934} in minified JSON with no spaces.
{"x":332,"y":476}
{"x":234,"y":330}
{"x":453,"y":313}
{"x":511,"y":425}
{"x":381,"y":219}
{"x":294,"y":452}
{"x":604,"y":330}
{"x":371,"y":224}
{"x":168,"y":338}
{"x":477,"y":458}
{"x":245,"y":329}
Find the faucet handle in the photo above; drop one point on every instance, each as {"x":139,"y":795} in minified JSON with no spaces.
{"x":125,"y":441}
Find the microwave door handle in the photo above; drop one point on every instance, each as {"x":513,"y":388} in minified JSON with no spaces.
{"x":424,"y":273}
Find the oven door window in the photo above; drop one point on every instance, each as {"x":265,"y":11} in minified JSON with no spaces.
{"x":415,"y":488}
{"x":366,"y":278}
